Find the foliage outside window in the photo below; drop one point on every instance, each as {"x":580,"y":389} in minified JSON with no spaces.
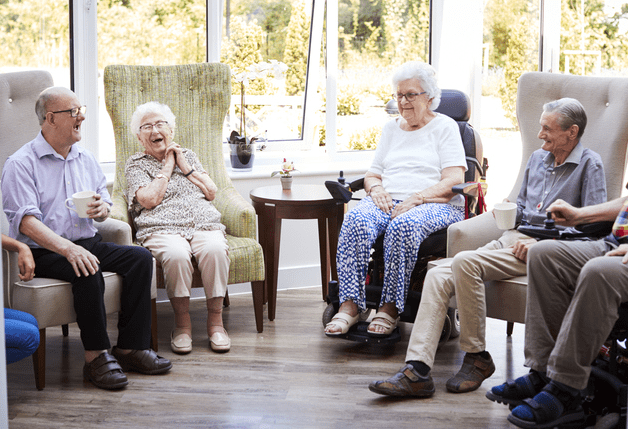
{"x":261,"y":31}
{"x":374,"y":38}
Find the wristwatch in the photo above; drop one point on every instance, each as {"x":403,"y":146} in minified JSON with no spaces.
{"x":162,"y":176}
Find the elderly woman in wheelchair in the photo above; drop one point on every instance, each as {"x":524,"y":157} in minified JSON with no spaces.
{"x":419,"y":159}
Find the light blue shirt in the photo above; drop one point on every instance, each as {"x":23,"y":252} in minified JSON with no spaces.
{"x":36,"y":181}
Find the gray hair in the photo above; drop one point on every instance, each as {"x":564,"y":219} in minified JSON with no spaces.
{"x":424,"y":73}
{"x":571,"y":113}
{"x":147,"y":108}
{"x":45,"y":97}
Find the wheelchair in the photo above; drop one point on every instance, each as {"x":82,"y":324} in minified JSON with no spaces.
{"x":456,"y":105}
{"x":606,"y":396}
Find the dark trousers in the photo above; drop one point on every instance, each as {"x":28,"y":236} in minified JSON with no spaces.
{"x":134,"y":264}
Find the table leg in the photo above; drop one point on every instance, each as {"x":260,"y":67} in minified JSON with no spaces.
{"x":323,"y":244}
{"x":274,"y":239}
{"x":335,"y":222}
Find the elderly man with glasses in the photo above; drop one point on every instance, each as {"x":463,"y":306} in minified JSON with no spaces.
{"x":36,"y":181}
{"x":563,"y":169}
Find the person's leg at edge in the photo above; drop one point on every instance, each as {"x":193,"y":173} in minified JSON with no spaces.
{"x":360,"y":228}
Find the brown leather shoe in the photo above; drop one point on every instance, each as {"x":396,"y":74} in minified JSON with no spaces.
{"x":407,"y":382}
{"x":142,"y":361}
{"x":473,"y":372}
{"x":105,"y":372}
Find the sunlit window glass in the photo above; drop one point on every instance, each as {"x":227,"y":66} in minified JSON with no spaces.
{"x":146,"y":32}
{"x":35,"y":35}
{"x":375,"y":37}
{"x":511,"y":41}
{"x":265,"y":44}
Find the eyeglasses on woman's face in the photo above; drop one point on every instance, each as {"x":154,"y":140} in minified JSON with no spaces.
{"x":410,"y":96}
{"x":159,"y":126}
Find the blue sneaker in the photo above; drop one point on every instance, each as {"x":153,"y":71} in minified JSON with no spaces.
{"x":513,"y":393}
{"x":550,"y":408}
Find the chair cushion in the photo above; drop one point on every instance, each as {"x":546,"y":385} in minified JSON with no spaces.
{"x":245,"y":255}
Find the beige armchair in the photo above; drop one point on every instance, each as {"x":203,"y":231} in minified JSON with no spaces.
{"x":199,"y":96}
{"x":604,"y":100}
{"x":49,"y":300}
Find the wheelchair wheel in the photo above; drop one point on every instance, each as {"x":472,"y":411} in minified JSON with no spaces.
{"x":454,"y":317}
{"x":328,"y":314}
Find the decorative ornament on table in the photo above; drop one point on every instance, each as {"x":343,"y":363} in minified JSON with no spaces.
{"x":286,"y":177}
{"x":242,"y":148}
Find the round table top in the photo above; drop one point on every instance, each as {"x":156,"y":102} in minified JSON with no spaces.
{"x":298,"y":194}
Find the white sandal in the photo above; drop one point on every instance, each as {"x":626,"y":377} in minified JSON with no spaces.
{"x":384,"y":320}
{"x":342,"y":321}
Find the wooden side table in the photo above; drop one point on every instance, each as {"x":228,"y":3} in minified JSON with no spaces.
{"x":272,"y":204}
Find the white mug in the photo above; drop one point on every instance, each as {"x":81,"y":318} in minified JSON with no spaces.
{"x":80,"y":201}
{"x":505,"y":215}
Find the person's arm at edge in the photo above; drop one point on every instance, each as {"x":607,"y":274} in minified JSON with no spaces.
{"x":25,"y":260}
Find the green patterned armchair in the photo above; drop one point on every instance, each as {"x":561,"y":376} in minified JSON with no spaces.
{"x":199,"y":96}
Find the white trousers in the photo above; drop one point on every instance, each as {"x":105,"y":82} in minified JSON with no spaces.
{"x":463,"y":276}
{"x":209,"y":248}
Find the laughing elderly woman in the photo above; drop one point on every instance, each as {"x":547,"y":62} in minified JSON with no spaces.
{"x":417,"y":161}
{"x":170,"y":198}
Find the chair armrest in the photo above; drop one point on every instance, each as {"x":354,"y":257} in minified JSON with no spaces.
{"x":115,"y":231}
{"x":470,"y":189}
{"x":120,"y":210}
{"x":238,"y":215}
{"x":10,"y":271}
{"x":471,"y":233}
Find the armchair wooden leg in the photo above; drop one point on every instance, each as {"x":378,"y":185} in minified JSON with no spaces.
{"x":154,"y":339}
{"x":39,"y":361}
{"x":509,"y":328}
{"x":225,"y":302}
{"x":64,"y":330}
{"x":258,"y":304}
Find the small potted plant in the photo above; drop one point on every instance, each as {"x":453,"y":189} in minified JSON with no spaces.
{"x":243,"y":147}
{"x":286,"y":177}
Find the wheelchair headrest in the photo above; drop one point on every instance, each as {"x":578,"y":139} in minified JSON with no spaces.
{"x":453,"y":103}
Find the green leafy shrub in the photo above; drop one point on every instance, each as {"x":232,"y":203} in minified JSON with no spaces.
{"x":366,"y":139}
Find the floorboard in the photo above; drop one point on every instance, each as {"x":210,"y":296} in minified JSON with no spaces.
{"x":289,"y":376}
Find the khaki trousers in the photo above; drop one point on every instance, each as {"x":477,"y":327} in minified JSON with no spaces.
{"x":209,"y":248}
{"x":463,"y":276}
{"x":574,"y":293}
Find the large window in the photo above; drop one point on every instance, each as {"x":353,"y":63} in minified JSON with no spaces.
{"x":593,"y":37}
{"x":374,"y":37}
{"x":35,"y":35}
{"x":145,"y":32}
{"x":510,"y":48}
{"x":274,"y":33}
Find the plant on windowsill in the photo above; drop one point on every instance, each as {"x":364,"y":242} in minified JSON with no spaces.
{"x":243,"y":147}
{"x":284,"y":173}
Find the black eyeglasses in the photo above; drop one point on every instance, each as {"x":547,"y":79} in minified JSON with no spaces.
{"x":410,"y":96}
{"x":74,"y":112}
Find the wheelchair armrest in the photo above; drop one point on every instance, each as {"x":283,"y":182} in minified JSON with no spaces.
{"x":584,"y":231}
{"x":470,"y":189}
{"x":344,"y":191}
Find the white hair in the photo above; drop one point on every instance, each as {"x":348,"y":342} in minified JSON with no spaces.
{"x":148,"y":108}
{"x":424,"y":73}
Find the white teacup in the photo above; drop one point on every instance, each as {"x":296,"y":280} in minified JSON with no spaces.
{"x":80,"y":201}
{"x":505,"y":215}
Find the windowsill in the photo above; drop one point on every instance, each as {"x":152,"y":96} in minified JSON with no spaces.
{"x":315,"y":162}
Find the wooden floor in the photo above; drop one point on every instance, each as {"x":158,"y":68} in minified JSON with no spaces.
{"x":290,"y":376}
